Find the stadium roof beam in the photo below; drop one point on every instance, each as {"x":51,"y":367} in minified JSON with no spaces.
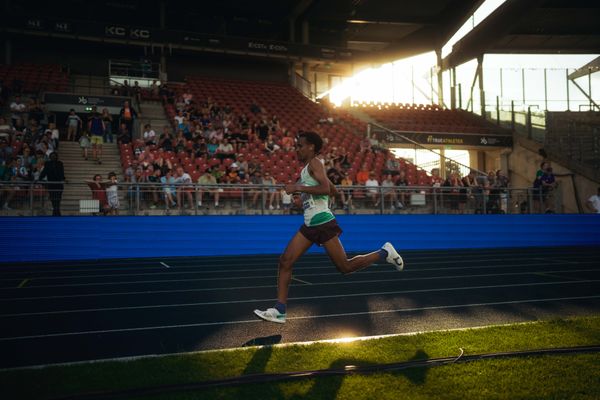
{"x":431,"y":37}
{"x":497,"y":25}
{"x":589,"y":68}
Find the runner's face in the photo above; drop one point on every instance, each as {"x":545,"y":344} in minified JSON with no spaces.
{"x":305,"y":150}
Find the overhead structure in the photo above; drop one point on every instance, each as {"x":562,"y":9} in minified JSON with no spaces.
{"x":532,"y":26}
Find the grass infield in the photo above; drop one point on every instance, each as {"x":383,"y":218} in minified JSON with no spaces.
{"x":540,"y":377}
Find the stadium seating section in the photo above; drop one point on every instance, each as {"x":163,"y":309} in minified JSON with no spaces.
{"x":32,"y":78}
{"x":295,"y":113}
{"x":427,"y":118}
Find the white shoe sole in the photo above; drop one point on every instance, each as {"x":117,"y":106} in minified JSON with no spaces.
{"x":393,"y":257}
{"x":261,"y":315}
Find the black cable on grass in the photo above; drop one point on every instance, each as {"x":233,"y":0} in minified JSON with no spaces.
{"x":347,"y":370}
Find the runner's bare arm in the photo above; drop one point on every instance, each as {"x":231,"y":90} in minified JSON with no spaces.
{"x":317,"y":171}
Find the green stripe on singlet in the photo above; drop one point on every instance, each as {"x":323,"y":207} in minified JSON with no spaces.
{"x":321,"y":218}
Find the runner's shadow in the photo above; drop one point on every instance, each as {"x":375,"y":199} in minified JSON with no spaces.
{"x":260,"y":359}
{"x":326,"y":388}
{"x":263,"y":341}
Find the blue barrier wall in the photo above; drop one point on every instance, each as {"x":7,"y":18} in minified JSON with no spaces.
{"x":71,"y":238}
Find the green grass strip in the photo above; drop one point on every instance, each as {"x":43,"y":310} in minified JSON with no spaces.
{"x":64,"y":380}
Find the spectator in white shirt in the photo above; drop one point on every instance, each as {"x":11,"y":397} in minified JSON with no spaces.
{"x":372,"y":185}
{"x":149,"y":135}
{"x":594,"y":202}
{"x":184,"y":188}
{"x":17,"y":108}
{"x":225,"y":150}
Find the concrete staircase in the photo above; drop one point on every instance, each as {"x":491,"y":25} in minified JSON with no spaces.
{"x":153,"y":113}
{"x":78,"y":170}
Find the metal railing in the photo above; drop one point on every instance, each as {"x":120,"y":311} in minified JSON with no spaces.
{"x":40,"y":198}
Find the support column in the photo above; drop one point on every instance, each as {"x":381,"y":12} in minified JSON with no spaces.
{"x":453,"y":88}
{"x":443,"y":163}
{"x":163,"y":58}
{"x":292,"y":30}
{"x":481,"y":88}
{"x":440,"y":78}
{"x":305,"y":32}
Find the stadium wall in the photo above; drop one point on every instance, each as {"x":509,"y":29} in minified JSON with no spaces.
{"x":72,"y":238}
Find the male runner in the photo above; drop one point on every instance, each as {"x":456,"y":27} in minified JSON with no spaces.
{"x":319,"y":227}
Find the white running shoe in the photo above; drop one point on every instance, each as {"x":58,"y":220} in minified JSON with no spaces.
{"x":393,"y":256}
{"x":272,"y":315}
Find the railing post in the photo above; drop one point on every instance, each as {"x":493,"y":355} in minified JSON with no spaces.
{"x":262,"y":200}
{"x":528,"y":123}
{"x":31,"y":197}
{"x":512,"y":115}
{"x":498,"y":110}
{"x":381,"y":199}
{"x":137,"y":198}
{"x":243,"y":202}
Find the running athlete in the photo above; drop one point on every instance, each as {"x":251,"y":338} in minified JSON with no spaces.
{"x":319,"y":227}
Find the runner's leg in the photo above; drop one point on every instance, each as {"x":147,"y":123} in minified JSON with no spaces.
{"x":295,"y":248}
{"x":337,"y":254}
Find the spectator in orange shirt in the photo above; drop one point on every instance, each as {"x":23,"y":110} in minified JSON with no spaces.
{"x":363,"y":175}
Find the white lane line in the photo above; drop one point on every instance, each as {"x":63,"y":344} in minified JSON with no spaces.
{"x":345,"y":282}
{"x":300,"y":280}
{"x":301,"y":298}
{"x":311,"y":259}
{"x":162,"y":263}
{"x":228,"y":271}
{"x":251,"y":321}
{"x":226,"y":268}
{"x":370,"y":271}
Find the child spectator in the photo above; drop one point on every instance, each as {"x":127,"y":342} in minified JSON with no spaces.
{"x":168,"y":186}
{"x":85,"y":144}
{"x":112,"y":194}
{"x":73,"y":124}
{"x":286,"y":200}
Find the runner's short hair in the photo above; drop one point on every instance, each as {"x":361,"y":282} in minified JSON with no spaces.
{"x":314,"y":139}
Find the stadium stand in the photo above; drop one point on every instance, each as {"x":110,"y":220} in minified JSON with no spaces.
{"x":33,"y":78}
{"x":293,"y":112}
{"x":428,"y":118}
